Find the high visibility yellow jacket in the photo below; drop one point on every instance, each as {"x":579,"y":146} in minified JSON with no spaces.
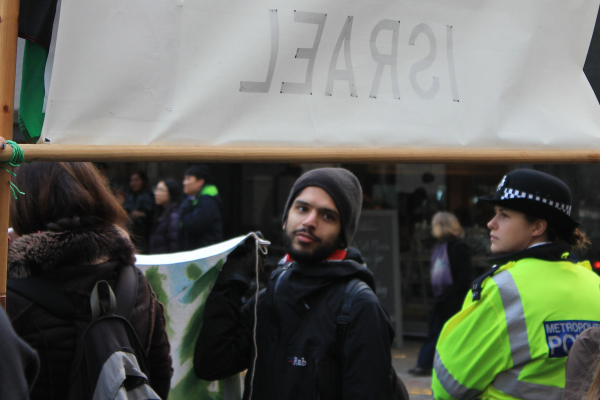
{"x":512,"y":343}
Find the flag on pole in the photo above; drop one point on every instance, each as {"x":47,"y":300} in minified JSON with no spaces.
{"x":36,"y":22}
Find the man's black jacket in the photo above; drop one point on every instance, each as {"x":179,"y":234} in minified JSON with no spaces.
{"x":296,"y":336}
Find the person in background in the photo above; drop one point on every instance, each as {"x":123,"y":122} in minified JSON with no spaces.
{"x":511,"y":338}
{"x":200,"y":214}
{"x":294,"y":348}
{"x":164,"y":235}
{"x":20,"y":363}
{"x":102,"y":168}
{"x":72,"y":232}
{"x":139,"y":204}
{"x":450,"y":279}
{"x":119,"y":193}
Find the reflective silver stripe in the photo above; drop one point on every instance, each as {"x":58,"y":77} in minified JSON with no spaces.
{"x":451,"y":385}
{"x":515,"y":318}
{"x":509,"y":383}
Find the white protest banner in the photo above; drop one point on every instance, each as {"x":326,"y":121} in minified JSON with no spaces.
{"x":182,"y":282}
{"x":327,"y":73}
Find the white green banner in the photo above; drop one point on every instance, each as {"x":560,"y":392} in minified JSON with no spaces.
{"x":182,"y":282}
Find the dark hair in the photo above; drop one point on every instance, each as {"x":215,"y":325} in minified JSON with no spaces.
{"x":63,"y":196}
{"x":594,"y":390}
{"x":142,"y":174}
{"x":102,"y":166}
{"x":575,"y":237}
{"x":174,"y":189}
{"x":199,"y":171}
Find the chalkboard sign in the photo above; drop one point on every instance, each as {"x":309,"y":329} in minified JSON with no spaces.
{"x":377,"y":240}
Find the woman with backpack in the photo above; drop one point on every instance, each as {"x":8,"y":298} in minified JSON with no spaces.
{"x":450,"y":281}
{"x":72,"y":234}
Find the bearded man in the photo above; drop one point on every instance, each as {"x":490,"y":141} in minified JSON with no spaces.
{"x":289,"y":336}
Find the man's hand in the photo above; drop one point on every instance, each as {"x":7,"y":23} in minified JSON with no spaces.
{"x":242,"y":263}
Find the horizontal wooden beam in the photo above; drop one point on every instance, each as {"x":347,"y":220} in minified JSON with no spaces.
{"x":54,"y":152}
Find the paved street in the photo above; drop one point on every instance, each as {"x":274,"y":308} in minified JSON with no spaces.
{"x":419,"y":388}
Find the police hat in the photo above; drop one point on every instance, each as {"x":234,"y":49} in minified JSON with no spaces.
{"x":537,"y":194}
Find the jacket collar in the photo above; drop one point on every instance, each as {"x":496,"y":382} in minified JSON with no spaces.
{"x":46,"y":251}
{"x":343,"y":265}
{"x":547,"y":252}
{"x":337,"y":255}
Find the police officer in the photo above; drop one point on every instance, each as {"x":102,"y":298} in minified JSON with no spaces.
{"x":512,"y":336}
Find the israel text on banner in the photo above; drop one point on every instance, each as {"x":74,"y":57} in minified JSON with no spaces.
{"x":182,"y":282}
{"x":327,"y":73}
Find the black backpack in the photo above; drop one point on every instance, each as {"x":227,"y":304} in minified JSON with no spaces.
{"x":353,"y":288}
{"x":109,"y":359}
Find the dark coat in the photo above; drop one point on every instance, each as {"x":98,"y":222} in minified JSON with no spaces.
{"x":74,"y":261}
{"x":140,"y":226}
{"x":299,"y":355}
{"x":20,"y":364}
{"x":450,"y":302}
{"x":200,"y":222}
{"x":164,"y":236}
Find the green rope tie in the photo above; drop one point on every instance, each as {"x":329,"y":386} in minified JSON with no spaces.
{"x":17,"y":158}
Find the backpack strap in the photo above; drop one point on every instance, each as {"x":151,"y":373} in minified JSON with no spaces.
{"x":126,"y":290}
{"x":102,"y":300}
{"x":353,"y":288}
{"x":121,"y":300}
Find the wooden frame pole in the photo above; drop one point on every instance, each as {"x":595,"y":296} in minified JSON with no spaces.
{"x":9,"y":21}
{"x":55,"y":152}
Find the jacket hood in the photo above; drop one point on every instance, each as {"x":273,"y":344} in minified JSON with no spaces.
{"x":44,"y":252}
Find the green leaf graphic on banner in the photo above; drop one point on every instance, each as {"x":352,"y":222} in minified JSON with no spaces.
{"x":190,"y":383}
{"x":202,"y":284}
{"x":201,"y":287}
{"x":193,"y":272}
{"x":155,"y":279}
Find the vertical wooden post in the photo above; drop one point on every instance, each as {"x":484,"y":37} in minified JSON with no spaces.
{"x":9,"y":22}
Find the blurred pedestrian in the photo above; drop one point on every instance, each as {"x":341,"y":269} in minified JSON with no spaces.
{"x":164,"y":235}
{"x":450,"y":280}
{"x":201,"y":212}
{"x":139,"y":204}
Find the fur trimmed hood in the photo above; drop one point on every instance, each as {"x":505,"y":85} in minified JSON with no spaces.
{"x":46,"y":251}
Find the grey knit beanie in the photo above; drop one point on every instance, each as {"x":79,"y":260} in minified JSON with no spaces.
{"x":344,"y":189}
